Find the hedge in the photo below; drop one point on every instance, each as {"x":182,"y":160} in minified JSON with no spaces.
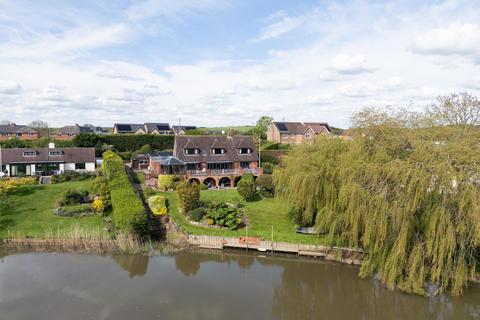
{"x":128,"y":211}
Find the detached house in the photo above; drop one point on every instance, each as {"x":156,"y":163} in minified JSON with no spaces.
{"x":45,"y":161}
{"x":70,"y":132}
{"x":21,"y":132}
{"x":146,"y":128}
{"x":296,"y":132}
{"x":180,"y":130}
{"x":213,"y":160}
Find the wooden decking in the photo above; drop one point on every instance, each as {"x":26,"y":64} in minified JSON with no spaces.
{"x":346,"y":255}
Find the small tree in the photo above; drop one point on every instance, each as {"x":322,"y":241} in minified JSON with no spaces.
{"x":189,"y":196}
{"x":165,"y":182}
{"x":246,"y":187}
{"x":265,"y":184}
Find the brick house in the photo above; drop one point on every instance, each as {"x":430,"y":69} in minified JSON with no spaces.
{"x":70,"y":132}
{"x":217,"y":161}
{"x":21,"y":132}
{"x":296,"y":132}
{"x":146,"y":128}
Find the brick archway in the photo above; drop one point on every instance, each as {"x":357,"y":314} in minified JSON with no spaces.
{"x":225,"y":182}
{"x":194,"y":180}
{"x":210,"y":182}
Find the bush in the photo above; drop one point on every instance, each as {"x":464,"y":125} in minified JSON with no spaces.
{"x":128,"y":211}
{"x":10,"y":185}
{"x":158,"y":205}
{"x":196,"y":214}
{"x":72,"y":176}
{"x":148,"y":192}
{"x":138,"y":177}
{"x":98,"y":205}
{"x":189,"y":196}
{"x":265,"y":184}
{"x":224,"y":215}
{"x":74,"y":210}
{"x":166,"y":182}
{"x":246,"y":187}
{"x":71,"y":197}
{"x":267,"y":168}
{"x":203,"y":186}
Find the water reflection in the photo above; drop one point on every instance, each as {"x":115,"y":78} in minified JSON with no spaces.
{"x":206,"y":285}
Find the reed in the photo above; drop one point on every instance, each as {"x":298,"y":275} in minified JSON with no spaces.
{"x":79,"y":238}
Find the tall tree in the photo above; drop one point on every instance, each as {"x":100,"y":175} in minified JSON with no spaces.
{"x":38,"y":124}
{"x":457,"y":109}
{"x":262,"y":126}
{"x":5,"y":122}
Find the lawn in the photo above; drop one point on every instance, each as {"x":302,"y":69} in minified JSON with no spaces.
{"x":262,"y":215}
{"x":31,"y":214}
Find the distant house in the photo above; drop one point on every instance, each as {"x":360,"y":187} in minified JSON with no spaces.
{"x":180,"y":130}
{"x":216,"y":161}
{"x":70,"y":132}
{"x":21,"y":132}
{"x":46,"y":161}
{"x":146,"y":128}
{"x":296,"y":132}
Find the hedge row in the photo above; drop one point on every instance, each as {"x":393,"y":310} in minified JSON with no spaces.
{"x":128,"y":211}
{"x":127,"y":142}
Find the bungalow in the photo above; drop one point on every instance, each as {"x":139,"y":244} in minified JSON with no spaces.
{"x":70,"y":132}
{"x":296,"y":132}
{"x":146,"y":128}
{"x":21,"y":132}
{"x":213,"y":160}
{"x":45,"y":161}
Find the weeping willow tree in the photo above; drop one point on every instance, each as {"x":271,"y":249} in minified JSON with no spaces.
{"x":409,"y":197}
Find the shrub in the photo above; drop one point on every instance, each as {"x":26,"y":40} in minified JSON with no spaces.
{"x":100,"y":189}
{"x":128,"y":211}
{"x":265,"y":184}
{"x":138,"y":177}
{"x":197,"y":214}
{"x":203,"y":186}
{"x":246,"y":187}
{"x":10,"y":185}
{"x":72,"y":176}
{"x":158,"y":205}
{"x":98,"y":205}
{"x":267,"y":168}
{"x":224,"y":215}
{"x":166,"y":182}
{"x":148,"y":192}
{"x":74,"y":210}
{"x":189,"y":196}
{"x":72,"y":196}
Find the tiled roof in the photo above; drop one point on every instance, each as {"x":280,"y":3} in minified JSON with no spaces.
{"x":150,"y":127}
{"x":75,"y":129}
{"x":177,"y":129}
{"x":206,"y":143}
{"x":128,"y":127}
{"x":13,"y":128}
{"x":70,"y":155}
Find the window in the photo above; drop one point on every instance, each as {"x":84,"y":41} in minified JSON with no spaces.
{"x":284,"y":136}
{"x":55,"y":153}
{"x":244,"y":151}
{"x":218,"y":151}
{"x":307,"y":136}
{"x":220,"y":166}
{"x":30,"y":153}
{"x":143,"y":161}
{"x":79,"y":166}
{"x":245,"y":165}
{"x":18,"y":134}
{"x":193,"y":166}
{"x":192,"y":151}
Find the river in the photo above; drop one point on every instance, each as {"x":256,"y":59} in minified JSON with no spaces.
{"x":206,"y":285}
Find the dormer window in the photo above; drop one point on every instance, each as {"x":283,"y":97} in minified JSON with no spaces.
{"x":218,"y":151}
{"x":192,"y":151}
{"x":30,"y":153}
{"x":55,"y":153}
{"x":244,"y":151}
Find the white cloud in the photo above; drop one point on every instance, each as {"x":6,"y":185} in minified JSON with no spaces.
{"x":151,"y":8}
{"x":8,"y":87}
{"x":456,"y":39}
{"x":350,"y":64}
{"x":282,"y":23}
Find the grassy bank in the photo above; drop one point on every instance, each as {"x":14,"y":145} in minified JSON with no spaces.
{"x":262,"y":215}
{"x":31,"y":214}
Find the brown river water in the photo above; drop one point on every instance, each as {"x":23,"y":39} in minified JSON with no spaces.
{"x":206,"y":285}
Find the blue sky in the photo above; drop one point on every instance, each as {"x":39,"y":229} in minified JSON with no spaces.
{"x":224,"y":62}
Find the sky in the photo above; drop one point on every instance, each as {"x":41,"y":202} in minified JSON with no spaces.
{"x":228,"y":62}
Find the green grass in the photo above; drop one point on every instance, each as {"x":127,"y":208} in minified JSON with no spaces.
{"x":31,"y":214}
{"x":262,"y":215}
